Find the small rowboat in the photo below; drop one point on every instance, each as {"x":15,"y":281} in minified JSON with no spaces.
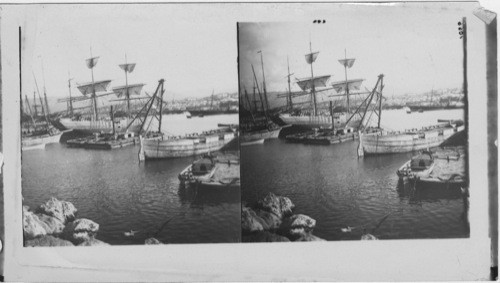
{"x":417,"y":167}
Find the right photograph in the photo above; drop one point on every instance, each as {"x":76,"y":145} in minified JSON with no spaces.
{"x":354,"y":127}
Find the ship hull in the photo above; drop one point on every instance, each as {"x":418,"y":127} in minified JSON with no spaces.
{"x":250,"y":137}
{"x":383,"y":143}
{"x":105,"y":126}
{"x":320,"y":121}
{"x":174,"y":148}
{"x":39,"y":142}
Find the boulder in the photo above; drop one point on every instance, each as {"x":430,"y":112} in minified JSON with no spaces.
{"x":91,"y":241}
{"x":268,"y":220}
{"x":52,"y":224}
{"x":63,"y":210}
{"x":80,"y":230}
{"x":152,"y":241}
{"x":32,"y":226}
{"x":368,"y":237}
{"x":281,"y":206}
{"x":47,"y":241}
{"x":308,"y":237}
{"x":297,"y":225}
{"x":249,"y":220}
{"x":264,"y":236}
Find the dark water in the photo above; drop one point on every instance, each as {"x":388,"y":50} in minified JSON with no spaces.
{"x":333,"y":186}
{"x":114,"y":190}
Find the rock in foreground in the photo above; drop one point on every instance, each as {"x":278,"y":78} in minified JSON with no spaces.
{"x":152,"y":241}
{"x":80,"y":230}
{"x":278,"y":205}
{"x":47,"y":241}
{"x":63,"y":210}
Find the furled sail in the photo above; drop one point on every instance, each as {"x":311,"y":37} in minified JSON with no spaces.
{"x":129,"y":68}
{"x":340,"y":87}
{"x":134,"y":89}
{"x":91,"y":62}
{"x":311,"y":57}
{"x":98,"y":86}
{"x":347,"y":62}
{"x":307,"y":83}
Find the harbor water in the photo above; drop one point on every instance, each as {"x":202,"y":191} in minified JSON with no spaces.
{"x":338,"y":189}
{"x":120,"y":194}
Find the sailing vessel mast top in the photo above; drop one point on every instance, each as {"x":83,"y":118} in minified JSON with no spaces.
{"x":91,"y":62}
{"x":310,"y":58}
{"x":264,"y":90}
{"x":289,"y":98}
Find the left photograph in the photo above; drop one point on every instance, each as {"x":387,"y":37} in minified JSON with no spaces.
{"x":129,"y":126}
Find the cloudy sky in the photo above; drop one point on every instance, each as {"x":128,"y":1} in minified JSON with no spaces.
{"x":193,"y":54}
{"x":195,"y":48}
{"x":416,"y":47}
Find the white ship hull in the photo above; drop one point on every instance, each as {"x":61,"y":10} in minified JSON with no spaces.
{"x":386,"y":143}
{"x":39,"y":142}
{"x":158,"y":148}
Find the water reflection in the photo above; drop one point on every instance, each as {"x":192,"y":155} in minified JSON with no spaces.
{"x":199,"y":196}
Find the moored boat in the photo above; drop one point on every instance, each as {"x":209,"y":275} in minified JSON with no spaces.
{"x":38,"y":140}
{"x":222,"y":171}
{"x":384,"y":142}
{"x":173,"y":147}
{"x":157,"y":145}
{"x":419,"y":166}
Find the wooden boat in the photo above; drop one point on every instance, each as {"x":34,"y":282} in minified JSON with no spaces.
{"x":384,"y":142}
{"x":36,"y":134}
{"x":158,"y":145}
{"x":173,"y":147}
{"x":221,"y":171}
{"x":419,"y":166}
{"x":38,"y":140}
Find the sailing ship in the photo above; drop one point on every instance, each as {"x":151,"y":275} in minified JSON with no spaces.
{"x":256,"y":126}
{"x":36,"y":134}
{"x":341,"y":117}
{"x":91,"y":91}
{"x":157,"y":145}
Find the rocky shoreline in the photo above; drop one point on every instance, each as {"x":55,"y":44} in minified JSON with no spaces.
{"x":271,"y":220}
{"x":55,"y":223}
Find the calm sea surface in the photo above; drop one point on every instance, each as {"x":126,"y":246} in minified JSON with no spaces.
{"x":113,"y":189}
{"x":333,"y":186}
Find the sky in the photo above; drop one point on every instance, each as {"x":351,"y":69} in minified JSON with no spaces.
{"x":195,"y":47}
{"x":416,"y":47}
{"x":194,"y":55}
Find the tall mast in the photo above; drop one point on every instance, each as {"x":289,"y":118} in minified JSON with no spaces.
{"x":255,"y":98}
{"x":313,"y":90}
{"x":260,"y":96}
{"x":45,"y":92}
{"x":34,"y":104}
{"x":127,"y":94}
{"x":161,"y":105}
{"x":41,"y":101}
{"x":94,"y":98}
{"x":70,"y":100}
{"x":346,"y":86}
{"x":289,"y":100}
{"x":263,"y":80}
